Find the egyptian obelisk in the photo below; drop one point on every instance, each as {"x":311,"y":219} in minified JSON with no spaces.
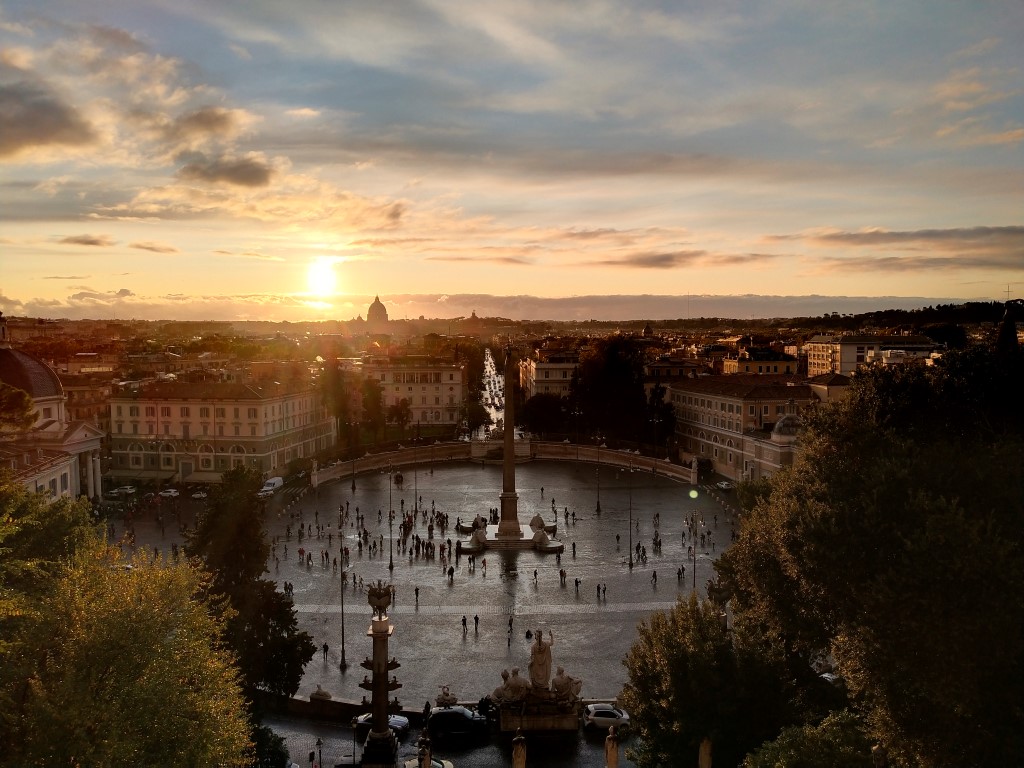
{"x":508,"y":524}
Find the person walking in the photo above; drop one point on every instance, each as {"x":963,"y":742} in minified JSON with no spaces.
{"x":325,"y":649}
{"x":464,"y":628}
{"x":476,"y":623}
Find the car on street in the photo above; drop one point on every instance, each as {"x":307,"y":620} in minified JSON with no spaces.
{"x":604,"y":716}
{"x":200,"y":494}
{"x":434,"y":763}
{"x":725,"y":485}
{"x":449,"y":722}
{"x":125,"y":490}
{"x":169,"y":493}
{"x":398,"y":724}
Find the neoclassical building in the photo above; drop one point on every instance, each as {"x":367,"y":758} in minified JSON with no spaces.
{"x":55,"y":454}
{"x":194,"y":432}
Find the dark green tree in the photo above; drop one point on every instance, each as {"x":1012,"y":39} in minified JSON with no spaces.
{"x":400,"y":413}
{"x":373,"y":406}
{"x":894,"y":544}
{"x":261,"y":626}
{"x":610,"y":388}
{"x":544,"y":413}
{"x":690,"y":679}
{"x":16,"y":408}
{"x":837,"y":742}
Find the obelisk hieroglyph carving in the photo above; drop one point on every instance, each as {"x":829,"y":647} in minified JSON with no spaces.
{"x":508,"y":524}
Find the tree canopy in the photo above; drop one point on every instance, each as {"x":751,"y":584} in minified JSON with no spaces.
{"x":893,"y":546}
{"x":261,"y":626}
{"x":103,"y":664}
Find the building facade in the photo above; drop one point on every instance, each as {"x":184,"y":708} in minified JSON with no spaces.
{"x":548,"y":372}
{"x":724,"y":419}
{"x":845,"y":354}
{"x":55,"y":454}
{"x":434,"y":387}
{"x":193,"y":432}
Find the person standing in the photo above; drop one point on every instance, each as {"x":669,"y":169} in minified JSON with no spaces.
{"x":464,"y":628}
{"x":476,"y":623}
{"x":325,"y":651}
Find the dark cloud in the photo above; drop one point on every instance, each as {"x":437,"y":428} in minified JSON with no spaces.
{"x":946,"y":249}
{"x":154,"y":247}
{"x":65,"y":277}
{"x":666,"y":260}
{"x":31,"y":116}
{"x":102,"y":241}
{"x":243,"y":172}
{"x":741,"y":258}
{"x":100,"y":296}
{"x":481,"y":259}
{"x":955,"y":238}
{"x":207,"y":121}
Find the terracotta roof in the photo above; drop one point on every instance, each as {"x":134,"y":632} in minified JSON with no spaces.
{"x":184,"y":390}
{"x":758,"y":387}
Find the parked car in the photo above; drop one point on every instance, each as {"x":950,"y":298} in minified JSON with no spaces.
{"x":447,"y":722}
{"x":604,"y":716}
{"x":434,"y":763}
{"x":200,"y":494}
{"x":398,"y":724}
{"x":169,"y":493}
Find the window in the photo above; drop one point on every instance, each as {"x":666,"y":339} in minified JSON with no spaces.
{"x":64,"y":481}
{"x":135,"y":428}
{"x":165,"y":410}
{"x":252,"y":413}
{"x":252,"y":431}
{"x":133,"y":410}
{"x":117,"y":410}
{"x":204,"y":412}
{"x":752,"y":412}
{"x":151,"y":410}
{"x":206,"y":429}
{"x":764,"y":410}
{"x":167,"y":429}
{"x":221,"y":413}
{"x":185,"y":411}
{"x":236,"y":413}
{"x":237,"y":431}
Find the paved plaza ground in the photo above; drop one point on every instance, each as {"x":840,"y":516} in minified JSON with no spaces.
{"x":592,"y":634}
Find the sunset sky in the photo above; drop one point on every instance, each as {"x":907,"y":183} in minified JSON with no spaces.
{"x":289,"y":160}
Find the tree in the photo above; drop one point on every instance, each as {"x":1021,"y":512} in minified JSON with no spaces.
{"x":610,"y":387}
{"x":690,"y":680}
{"x":400,"y":413}
{"x":17,"y":411}
{"x":894,"y":544}
{"x":837,"y":742}
{"x":373,"y":406}
{"x":544,"y":413}
{"x":122,"y":666}
{"x":261,"y":626}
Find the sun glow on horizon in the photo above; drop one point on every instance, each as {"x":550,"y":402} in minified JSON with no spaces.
{"x":321,"y":279}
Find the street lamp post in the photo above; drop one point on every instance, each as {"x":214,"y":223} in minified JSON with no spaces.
{"x":320,"y":751}
{"x":598,"y":510}
{"x":391,"y":517}
{"x":343,"y":665}
{"x":629,"y":480}
{"x":353,"y":426}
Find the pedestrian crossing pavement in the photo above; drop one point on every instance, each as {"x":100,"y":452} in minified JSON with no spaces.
{"x":495,"y":610}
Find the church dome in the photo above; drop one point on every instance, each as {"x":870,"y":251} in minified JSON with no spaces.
{"x":377,"y":313}
{"x":29,"y":374}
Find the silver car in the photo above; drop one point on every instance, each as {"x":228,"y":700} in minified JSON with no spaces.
{"x":604,"y":716}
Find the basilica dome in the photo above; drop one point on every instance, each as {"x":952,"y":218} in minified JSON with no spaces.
{"x":29,"y":374}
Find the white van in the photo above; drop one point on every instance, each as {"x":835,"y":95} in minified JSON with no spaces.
{"x":270,"y":487}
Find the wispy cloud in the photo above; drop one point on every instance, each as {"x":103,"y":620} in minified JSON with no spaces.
{"x":100,"y":241}
{"x":65,"y":277}
{"x":154,"y":247}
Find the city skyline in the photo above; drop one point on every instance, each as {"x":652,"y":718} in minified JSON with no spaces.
{"x":284,"y":162}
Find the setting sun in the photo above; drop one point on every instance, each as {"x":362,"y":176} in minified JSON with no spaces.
{"x":321,"y":278}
